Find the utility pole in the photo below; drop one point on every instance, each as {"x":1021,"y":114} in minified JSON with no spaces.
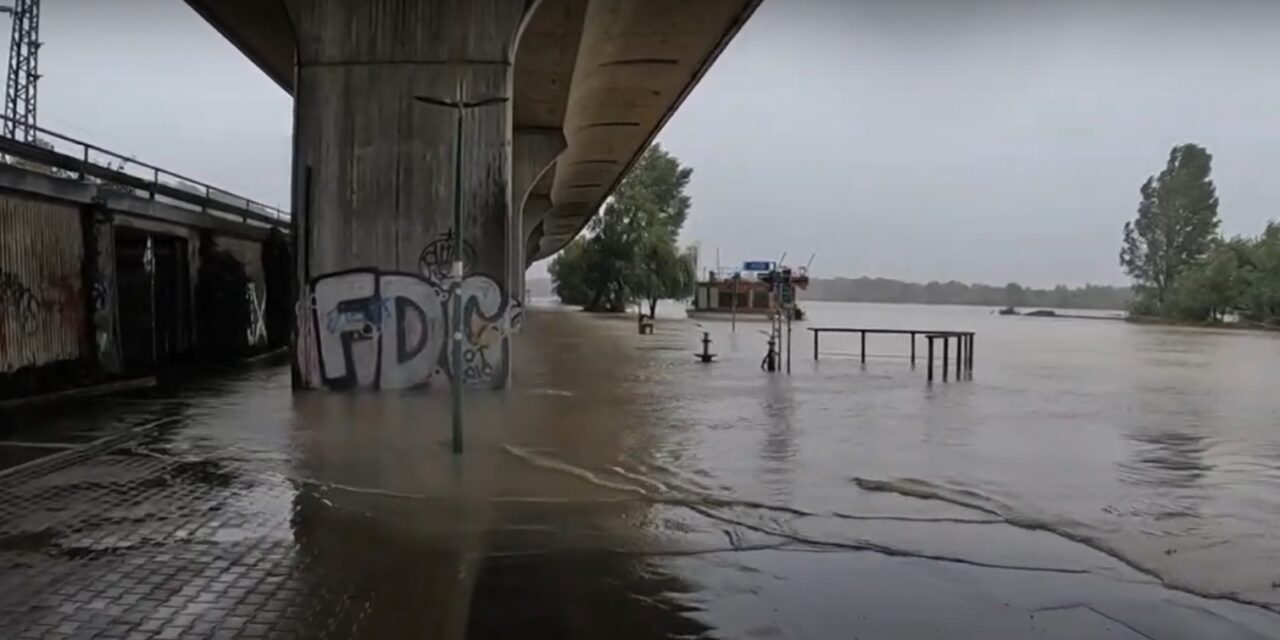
{"x":24,"y":70}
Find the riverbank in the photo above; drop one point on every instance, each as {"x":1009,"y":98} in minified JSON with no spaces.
{"x":1172,"y":322}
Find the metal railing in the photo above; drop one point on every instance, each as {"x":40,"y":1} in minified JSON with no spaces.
{"x":81,"y":165}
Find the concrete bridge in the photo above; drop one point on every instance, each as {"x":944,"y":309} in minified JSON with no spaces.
{"x":585,"y":86}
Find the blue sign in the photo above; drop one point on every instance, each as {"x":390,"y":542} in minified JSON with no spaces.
{"x":757,"y":265}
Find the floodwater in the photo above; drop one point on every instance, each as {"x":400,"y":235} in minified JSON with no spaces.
{"x":1094,"y":479}
{"x":1158,"y":444}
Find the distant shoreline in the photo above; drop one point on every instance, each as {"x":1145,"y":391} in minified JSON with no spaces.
{"x":1191,"y":324}
{"x":962,"y":304}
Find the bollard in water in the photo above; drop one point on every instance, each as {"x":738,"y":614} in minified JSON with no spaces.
{"x":706,"y":356}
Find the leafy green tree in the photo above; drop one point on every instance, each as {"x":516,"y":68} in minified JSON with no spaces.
{"x":1214,"y":287}
{"x":630,"y":250}
{"x":567,"y":273}
{"x":670,"y":274}
{"x":1176,"y":225}
{"x":1260,"y":300}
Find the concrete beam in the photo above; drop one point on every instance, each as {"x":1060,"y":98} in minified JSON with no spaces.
{"x":609,"y":73}
{"x":638,"y":61}
{"x":260,"y":29}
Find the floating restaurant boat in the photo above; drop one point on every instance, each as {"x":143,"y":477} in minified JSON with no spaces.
{"x":756,"y":292}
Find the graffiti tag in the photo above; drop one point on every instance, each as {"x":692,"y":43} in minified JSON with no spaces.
{"x":24,"y":304}
{"x":256,"y":332}
{"x":437,"y":257}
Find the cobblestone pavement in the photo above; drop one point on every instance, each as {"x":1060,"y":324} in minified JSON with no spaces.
{"x":198,"y":529}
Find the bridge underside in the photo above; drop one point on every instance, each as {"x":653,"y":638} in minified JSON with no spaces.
{"x":587,"y":83}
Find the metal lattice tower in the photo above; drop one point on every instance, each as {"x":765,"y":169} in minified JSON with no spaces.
{"x":24,"y":54}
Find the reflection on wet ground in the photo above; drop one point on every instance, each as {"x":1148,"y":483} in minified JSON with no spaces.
{"x":622,"y":490}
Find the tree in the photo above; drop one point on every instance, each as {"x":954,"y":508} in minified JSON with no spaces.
{"x":567,"y":273}
{"x":1212,"y":288}
{"x":630,"y":250}
{"x":1176,"y":225}
{"x":670,"y":274}
{"x":1260,"y":298}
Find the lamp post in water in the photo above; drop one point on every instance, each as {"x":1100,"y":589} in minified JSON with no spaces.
{"x":458,"y":269}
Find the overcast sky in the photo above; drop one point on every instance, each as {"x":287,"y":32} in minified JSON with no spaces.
{"x":980,"y":140}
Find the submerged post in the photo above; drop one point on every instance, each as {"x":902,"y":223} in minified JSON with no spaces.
{"x":959,"y":357}
{"x":913,"y":348}
{"x":929,"y":339}
{"x":946,"y":355}
{"x":971,"y":337}
{"x":815,"y":344}
{"x":863,"y":352}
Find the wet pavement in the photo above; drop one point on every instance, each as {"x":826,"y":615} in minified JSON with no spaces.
{"x":582,"y":508}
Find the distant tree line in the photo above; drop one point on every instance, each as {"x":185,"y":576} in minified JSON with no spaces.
{"x":1011,"y":295}
{"x":1181,"y":266}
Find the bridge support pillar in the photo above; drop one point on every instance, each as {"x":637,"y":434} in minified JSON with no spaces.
{"x":535,"y":150}
{"x":374,"y":190}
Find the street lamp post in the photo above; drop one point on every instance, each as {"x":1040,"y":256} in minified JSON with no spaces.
{"x":458,"y":269}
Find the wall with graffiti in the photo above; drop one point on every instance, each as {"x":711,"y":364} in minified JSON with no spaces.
{"x":249,"y":253}
{"x":382,"y":329}
{"x":102,"y":292}
{"x":43,"y":303}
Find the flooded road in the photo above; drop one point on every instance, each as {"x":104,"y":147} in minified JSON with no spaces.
{"x":1095,"y":479}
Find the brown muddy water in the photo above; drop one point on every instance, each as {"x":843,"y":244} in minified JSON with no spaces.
{"x":1091,"y":472}
{"x":1094,"y":479}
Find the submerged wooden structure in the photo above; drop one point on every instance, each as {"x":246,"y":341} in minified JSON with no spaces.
{"x":963,"y":354}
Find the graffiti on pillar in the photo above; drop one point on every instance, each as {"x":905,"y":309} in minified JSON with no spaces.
{"x":256,"y":331}
{"x":305,"y":347}
{"x":101,"y":301}
{"x":484,"y":327}
{"x":516,"y":315}
{"x":435,"y":260}
{"x":372,"y":329}
{"x":98,"y":296}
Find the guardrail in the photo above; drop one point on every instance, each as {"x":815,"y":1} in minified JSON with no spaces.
{"x":82,"y":167}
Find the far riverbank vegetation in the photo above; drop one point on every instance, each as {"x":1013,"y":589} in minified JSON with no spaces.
{"x":1183,"y":269}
